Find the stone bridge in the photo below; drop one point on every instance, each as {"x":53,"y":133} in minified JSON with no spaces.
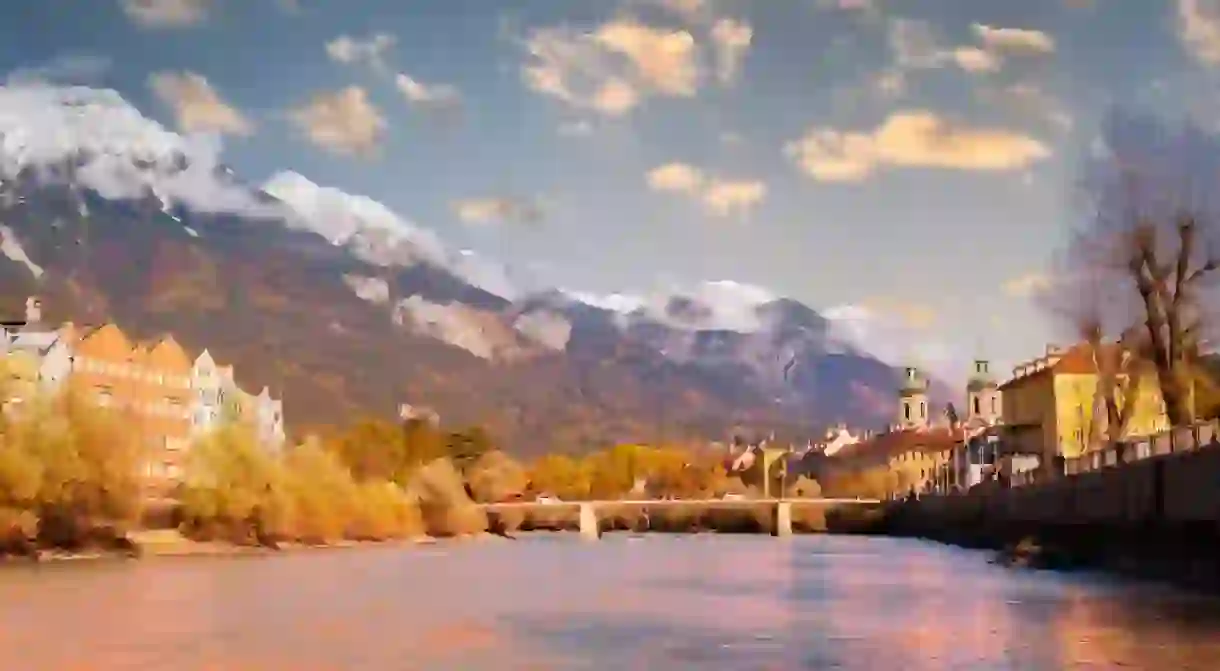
{"x":590,"y":529}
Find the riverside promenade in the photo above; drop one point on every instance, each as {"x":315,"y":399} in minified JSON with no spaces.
{"x":1155,"y":500}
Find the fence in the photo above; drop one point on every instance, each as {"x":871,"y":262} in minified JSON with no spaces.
{"x":1202,"y":435}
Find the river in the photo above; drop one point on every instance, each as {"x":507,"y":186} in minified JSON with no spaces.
{"x":732,"y":603}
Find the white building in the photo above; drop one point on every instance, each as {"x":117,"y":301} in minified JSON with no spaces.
{"x":207,"y":383}
{"x":269,"y":419}
{"x":219,"y":399}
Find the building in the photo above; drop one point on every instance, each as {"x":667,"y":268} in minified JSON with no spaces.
{"x":983,"y":404}
{"x":913,"y":409}
{"x":1052,"y":406}
{"x":162,"y":395}
{"x":269,"y":419}
{"x":149,"y":384}
{"x":162,"y":388}
{"x":207,"y":403}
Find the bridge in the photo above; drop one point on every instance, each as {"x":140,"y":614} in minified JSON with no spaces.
{"x":590,"y":529}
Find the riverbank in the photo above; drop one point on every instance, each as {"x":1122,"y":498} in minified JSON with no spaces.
{"x":1184,"y":555}
{"x":167,"y":543}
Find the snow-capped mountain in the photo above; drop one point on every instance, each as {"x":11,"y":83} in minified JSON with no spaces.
{"x":353,"y":307}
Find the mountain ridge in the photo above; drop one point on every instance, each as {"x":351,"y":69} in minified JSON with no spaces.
{"x":299,"y":290}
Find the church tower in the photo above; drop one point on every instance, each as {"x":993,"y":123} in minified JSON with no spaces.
{"x":982,"y":395}
{"x":913,"y":411}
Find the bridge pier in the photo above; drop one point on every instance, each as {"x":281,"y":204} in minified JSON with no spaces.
{"x":589,"y":528}
{"x":783,"y":519}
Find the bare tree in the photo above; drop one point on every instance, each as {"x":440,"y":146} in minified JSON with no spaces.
{"x":1133,"y":282}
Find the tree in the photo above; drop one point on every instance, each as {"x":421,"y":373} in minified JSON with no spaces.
{"x":560,"y":475}
{"x":467,"y":445}
{"x":373,"y":449}
{"x":1137,"y":272}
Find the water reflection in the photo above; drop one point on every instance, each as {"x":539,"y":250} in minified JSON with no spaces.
{"x":733,"y":603}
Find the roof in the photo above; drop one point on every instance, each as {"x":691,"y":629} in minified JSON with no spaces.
{"x":1075,"y":360}
{"x":34,"y":340}
{"x":887,"y":445}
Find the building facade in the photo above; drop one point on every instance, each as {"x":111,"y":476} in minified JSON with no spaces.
{"x":1053,"y":405}
{"x":165,"y":397}
{"x":913,"y":408}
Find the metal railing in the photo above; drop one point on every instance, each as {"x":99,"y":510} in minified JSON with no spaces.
{"x":1180,"y":439}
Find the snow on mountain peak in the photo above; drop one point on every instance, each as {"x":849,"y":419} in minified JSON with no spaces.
{"x":713,"y":305}
{"x":376,"y":233}
{"x":112,"y":149}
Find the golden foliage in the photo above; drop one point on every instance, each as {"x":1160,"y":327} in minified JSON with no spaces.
{"x":62,"y":459}
{"x":235,"y":487}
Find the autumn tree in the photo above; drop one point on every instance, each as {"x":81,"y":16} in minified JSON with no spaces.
{"x":467,"y":445}
{"x":560,"y":475}
{"x":379,"y":450}
{"x":1137,"y":274}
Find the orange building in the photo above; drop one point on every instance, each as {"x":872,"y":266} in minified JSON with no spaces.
{"x":148,"y":383}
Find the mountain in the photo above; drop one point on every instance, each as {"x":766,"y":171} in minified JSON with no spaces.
{"x":348,"y":308}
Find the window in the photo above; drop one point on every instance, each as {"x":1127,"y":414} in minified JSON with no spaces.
{"x":977,"y":410}
{"x":993,"y":409}
{"x":923,"y":410}
{"x":906,"y":410}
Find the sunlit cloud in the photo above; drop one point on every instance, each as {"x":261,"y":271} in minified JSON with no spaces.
{"x":197,"y":106}
{"x":1198,"y":25}
{"x":719,"y":196}
{"x":166,"y":13}
{"x":342,"y":122}
{"x":911,"y":139}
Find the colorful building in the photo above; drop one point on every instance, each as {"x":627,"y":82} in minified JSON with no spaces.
{"x":1052,"y":406}
{"x":166,"y":397}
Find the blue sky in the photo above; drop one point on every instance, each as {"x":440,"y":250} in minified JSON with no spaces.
{"x":916,"y":157}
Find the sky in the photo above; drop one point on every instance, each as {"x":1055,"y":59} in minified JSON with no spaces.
{"x":912,"y":159}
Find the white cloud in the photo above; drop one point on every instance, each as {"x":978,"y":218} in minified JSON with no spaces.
{"x":721,"y":197}
{"x":1013,"y":40}
{"x":377,"y":234}
{"x":123,"y":154}
{"x":427,"y":95}
{"x":343,"y":122}
{"x":197,"y":107}
{"x":613,"y":68}
{"x":911,"y":139}
{"x":731,"y":39}
{"x":498,"y":209}
{"x":722,"y":304}
{"x":1030,"y":284}
{"x":1198,"y":23}
{"x":888,"y":337}
{"x":724,"y":197}
{"x":167,"y":13}
{"x":675,"y":177}
{"x":663,"y":60}
{"x":916,"y":45}
{"x":63,"y":69}
{"x":368,"y":51}
{"x":973,"y":59}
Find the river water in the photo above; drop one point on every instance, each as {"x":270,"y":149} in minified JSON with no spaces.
{"x":732,"y":603}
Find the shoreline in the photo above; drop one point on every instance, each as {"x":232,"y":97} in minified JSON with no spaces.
{"x":1186,"y":557}
{"x":173,"y":545}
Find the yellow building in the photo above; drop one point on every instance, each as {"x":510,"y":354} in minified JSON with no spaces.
{"x":1052,"y":406}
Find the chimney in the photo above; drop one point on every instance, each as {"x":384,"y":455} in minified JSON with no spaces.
{"x":1052,"y":349}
